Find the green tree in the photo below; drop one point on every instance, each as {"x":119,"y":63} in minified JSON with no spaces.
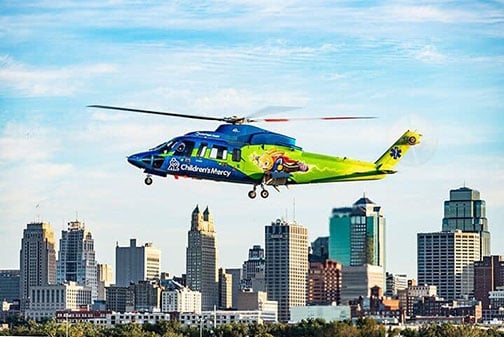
{"x":369,"y":328}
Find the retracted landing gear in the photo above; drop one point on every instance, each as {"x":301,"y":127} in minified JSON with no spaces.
{"x":148,"y":180}
{"x":252,"y":194}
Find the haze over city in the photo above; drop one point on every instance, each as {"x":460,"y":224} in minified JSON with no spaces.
{"x":436,"y":67}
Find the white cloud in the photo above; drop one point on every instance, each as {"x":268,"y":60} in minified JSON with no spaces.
{"x":429,"y":54}
{"x":423,"y":13}
{"x":48,"y":82}
{"x":21,"y":143}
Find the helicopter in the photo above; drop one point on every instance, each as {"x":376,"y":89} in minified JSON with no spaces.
{"x":238,"y":152}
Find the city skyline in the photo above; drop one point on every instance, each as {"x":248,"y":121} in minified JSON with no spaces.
{"x":435,"y":67}
{"x":190,"y":217}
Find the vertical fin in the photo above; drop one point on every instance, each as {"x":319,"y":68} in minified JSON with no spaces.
{"x":395,"y":153}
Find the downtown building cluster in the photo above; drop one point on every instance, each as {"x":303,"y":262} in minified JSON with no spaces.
{"x":340,"y":276}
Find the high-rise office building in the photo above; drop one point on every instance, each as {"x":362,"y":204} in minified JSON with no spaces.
{"x":357,"y":281}
{"x":148,"y":295}
{"x":76,"y":258}
{"x":105,"y":278}
{"x":225,"y":289}
{"x":9,"y":284}
{"x":201,"y":258}
{"x":319,"y":249}
{"x":446,"y":260}
{"x":236,"y":284}
{"x":253,"y":269}
{"x":135,"y":264}
{"x":465,"y":211}
{"x":394,"y":283}
{"x":37,"y":260}
{"x":286,"y":265}
{"x":324,"y":283}
{"x":357,"y":234}
{"x":120,"y":299}
{"x":488,"y":276}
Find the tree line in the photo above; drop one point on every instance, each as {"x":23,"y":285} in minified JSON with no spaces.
{"x":307,"y":328}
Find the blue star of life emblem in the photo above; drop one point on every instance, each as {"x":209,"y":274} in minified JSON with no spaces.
{"x":395,"y":152}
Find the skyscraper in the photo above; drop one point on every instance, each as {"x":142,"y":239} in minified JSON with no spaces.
{"x":357,"y":234}
{"x":253,"y":269}
{"x":76,"y":258}
{"x":135,"y":264}
{"x":286,"y":265}
{"x":446,"y":260}
{"x":201,"y":258}
{"x":37,"y":260}
{"x":465,"y":211}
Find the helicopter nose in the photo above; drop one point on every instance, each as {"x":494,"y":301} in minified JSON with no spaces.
{"x":134,"y":160}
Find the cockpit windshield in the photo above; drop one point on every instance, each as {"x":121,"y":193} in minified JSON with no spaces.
{"x":163,"y":148}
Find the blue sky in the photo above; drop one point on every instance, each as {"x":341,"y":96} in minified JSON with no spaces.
{"x":433,"y":66}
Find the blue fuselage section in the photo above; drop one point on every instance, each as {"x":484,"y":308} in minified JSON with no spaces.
{"x":206,"y":154}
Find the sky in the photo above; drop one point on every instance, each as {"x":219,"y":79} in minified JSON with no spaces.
{"x":432,"y":66}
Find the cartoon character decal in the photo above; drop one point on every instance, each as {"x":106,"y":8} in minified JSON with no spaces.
{"x":276,"y":164}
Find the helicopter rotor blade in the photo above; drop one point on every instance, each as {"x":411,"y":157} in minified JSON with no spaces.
{"x":272,"y":109}
{"x":172,"y":114}
{"x":329,"y":118}
{"x":234,"y":119}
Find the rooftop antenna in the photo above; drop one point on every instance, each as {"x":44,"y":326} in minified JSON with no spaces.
{"x":294,"y":210}
{"x":37,"y":215}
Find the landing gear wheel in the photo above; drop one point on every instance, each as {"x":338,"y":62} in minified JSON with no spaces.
{"x":264,"y":194}
{"x":148,"y":180}
{"x":252,"y":194}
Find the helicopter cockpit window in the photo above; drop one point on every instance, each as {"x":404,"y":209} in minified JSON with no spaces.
{"x":163,"y":148}
{"x":158,"y":162}
{"x":183,"y":148}
{"x":218,"y":152}
{"x":180,"y":147}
